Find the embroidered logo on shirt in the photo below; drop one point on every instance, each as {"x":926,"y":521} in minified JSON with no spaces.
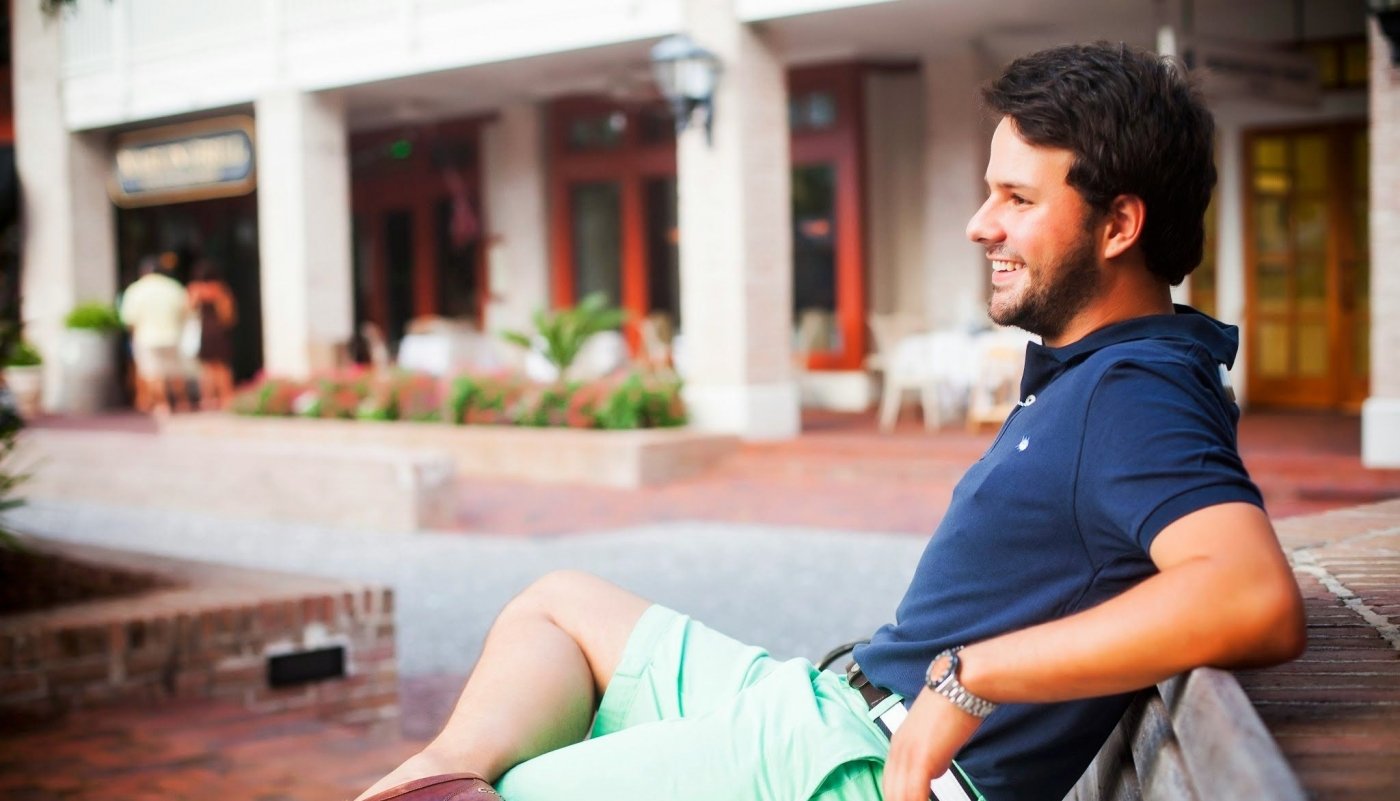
{"x":1023,"y":444}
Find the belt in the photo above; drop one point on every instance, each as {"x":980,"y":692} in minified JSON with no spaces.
{"x":949,"y":786}
{"x":888,"y":720}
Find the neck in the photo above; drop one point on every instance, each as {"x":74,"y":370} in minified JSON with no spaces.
{"x":1125,"y":294}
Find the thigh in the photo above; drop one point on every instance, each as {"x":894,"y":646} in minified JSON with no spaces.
{"x":793,"y":735}
{"x":675,"y":667}
{"x":695,"y":759}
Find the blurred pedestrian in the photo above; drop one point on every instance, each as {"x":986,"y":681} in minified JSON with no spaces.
{"x":155,"y":307}
{"x":212,"y":303}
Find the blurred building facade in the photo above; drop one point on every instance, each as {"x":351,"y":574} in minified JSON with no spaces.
{"x":377,"y":160}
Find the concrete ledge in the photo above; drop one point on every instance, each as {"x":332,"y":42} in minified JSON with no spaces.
{"x":208,"y":637}
{"x":377,"y":488}
{"x":625,"y":459}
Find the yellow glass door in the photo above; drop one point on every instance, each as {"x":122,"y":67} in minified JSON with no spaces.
{"x":1307,"y":267}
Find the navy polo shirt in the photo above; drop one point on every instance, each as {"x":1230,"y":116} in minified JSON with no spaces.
{"x":1119,"y":434}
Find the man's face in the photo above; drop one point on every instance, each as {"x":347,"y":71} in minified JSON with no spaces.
{"x":1038,"y":234}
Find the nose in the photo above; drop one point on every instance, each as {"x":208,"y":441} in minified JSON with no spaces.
{"x":982,"y":228}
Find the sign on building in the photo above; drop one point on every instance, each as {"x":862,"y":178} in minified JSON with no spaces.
{"x":190,"y":161}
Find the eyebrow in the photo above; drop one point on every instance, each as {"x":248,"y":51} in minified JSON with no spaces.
{"x":1008,"y":185}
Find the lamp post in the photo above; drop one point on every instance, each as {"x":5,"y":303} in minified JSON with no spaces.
{"x":1387,"y":14}
{"x":687,"y":75}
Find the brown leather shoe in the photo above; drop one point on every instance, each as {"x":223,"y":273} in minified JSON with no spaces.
{"x":442,"y":787}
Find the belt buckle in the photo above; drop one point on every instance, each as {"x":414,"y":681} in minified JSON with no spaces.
{"x":855,"y":677}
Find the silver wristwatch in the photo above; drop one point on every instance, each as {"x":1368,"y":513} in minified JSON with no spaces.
{"x":948,"y":686}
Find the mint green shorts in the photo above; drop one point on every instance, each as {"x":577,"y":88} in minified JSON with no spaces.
{"x":692,"y":714}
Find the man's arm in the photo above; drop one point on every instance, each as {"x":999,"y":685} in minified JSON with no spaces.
{"x":1225,"y":596}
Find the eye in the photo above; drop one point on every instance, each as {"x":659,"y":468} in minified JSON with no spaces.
{"x":1017,"y":200}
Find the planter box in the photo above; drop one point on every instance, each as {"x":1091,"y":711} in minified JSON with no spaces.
{"x":219,"y":633}
{"x":625,"y":459}
{"x":337,"y":483}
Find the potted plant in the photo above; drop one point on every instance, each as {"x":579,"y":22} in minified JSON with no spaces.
{"x":560,"y":335}
{"x":24,"y":375}
{"x":87,"y":357}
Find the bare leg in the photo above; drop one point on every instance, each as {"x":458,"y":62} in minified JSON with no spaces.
{"x":223,"y":381}
{"x":156,"y":395}
{"x":548,"y":658}
{"x":179,"y":389}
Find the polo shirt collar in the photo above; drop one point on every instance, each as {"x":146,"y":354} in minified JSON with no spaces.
{"x":1222,"y":341}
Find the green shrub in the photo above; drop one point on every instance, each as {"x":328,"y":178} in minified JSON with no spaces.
{"x":483,"y":400}
{"x":23,"y":354}
{"x":10,"y":476}
{"x":642,"y":401}
{"x":274,"y":397}
{"x":543,"y":406}
{"x":94,"y":316}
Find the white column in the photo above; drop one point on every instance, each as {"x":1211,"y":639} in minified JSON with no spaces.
{"x":957,"y":133}
{"x":736,"y":239}
{"x":894,"y":191}
{"x":517,"y":255}
{"x":303,"y":229}
{"x":1380,"y":414}
{"x":69,"y":250}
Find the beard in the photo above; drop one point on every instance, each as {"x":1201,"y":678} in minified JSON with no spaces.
{"x":1056,"y":293}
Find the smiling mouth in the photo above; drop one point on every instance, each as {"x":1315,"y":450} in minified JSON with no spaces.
{"x":999,"y":266}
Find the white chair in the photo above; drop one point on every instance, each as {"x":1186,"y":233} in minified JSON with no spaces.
{"x":379,"y":358}
{"x":936,"y":363}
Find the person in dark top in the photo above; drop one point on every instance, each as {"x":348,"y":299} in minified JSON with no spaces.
{"x":212,"y":302}
{"x":1109,"y":538}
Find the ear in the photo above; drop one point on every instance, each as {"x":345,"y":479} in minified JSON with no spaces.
{"x":1123,"y":225}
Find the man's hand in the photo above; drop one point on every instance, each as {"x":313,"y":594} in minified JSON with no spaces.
{"x":924,"y":746}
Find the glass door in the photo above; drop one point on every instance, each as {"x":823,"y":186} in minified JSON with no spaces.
{"x":814,"y":237}
{"x":597,"y":237}
{"x":828,"y":241}
{"x":1307,"y":267}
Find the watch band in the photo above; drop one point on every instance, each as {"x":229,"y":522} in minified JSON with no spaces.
{"x":948,"y":686}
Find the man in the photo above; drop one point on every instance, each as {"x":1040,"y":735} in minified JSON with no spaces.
{"x":1108,"y":539}
{"x":154,"y":307}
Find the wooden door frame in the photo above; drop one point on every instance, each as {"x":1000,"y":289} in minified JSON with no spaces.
{"x":416,"y":188}
{"x":635,"y":162}
{"x":843,"y":146}
{"x":1333,"y":390}
{"x":630,"y":165}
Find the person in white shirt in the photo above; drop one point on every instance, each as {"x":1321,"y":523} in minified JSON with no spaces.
{"x":154,"y":307}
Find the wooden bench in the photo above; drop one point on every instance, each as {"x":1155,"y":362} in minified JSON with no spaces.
{"x":1194,"y":737}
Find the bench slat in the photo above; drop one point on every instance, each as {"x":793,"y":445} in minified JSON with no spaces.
{"x":1193,"y":737}
{"x":1157,"y":757}
{"x":1225,"y":744}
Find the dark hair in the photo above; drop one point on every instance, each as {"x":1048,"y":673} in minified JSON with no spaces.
{"x":148,"y":265}
{"x":1136,"y":126}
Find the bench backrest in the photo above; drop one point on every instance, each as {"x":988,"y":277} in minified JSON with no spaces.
{"x":1194,"y":737}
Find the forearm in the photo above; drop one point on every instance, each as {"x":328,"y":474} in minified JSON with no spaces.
{"x":1233,"y":609}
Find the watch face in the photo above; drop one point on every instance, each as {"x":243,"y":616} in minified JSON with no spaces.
{"x":950,"y":670}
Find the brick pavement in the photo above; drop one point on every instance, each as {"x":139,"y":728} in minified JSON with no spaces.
{"x":1334,"y":711}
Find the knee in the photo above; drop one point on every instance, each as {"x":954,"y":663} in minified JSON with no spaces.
{"x":554,"y":591}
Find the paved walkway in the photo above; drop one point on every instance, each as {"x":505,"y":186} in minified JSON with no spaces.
{"x":828,"y":517}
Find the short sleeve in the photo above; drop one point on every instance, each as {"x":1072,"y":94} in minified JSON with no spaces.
{"x":1159,"y":444}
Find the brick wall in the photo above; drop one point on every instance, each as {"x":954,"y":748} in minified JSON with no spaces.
{"x":210,"y":638}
